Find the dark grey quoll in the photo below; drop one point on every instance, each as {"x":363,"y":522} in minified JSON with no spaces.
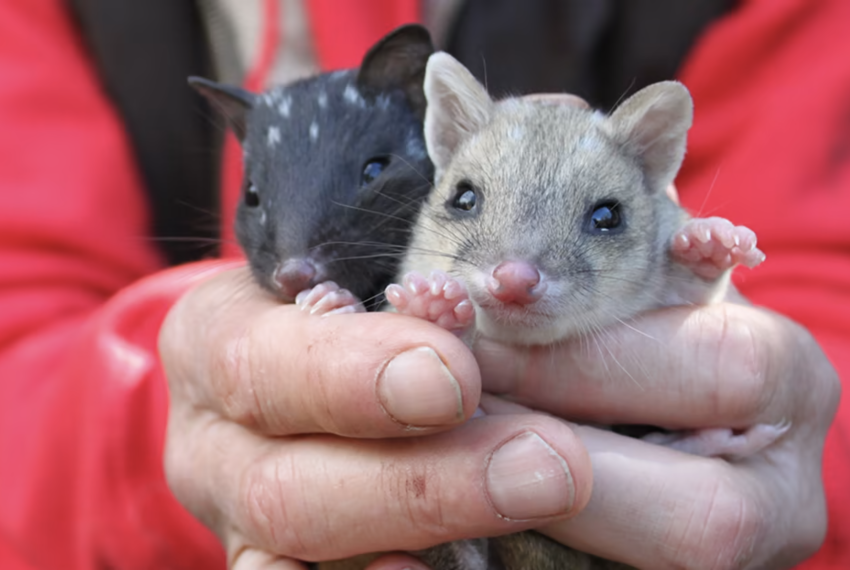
{"x":335,"y":169}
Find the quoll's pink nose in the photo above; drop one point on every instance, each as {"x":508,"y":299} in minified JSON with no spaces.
{"x":515,"y":282}
{"x":294,"y":276}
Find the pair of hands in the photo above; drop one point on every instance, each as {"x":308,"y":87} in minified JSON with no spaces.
{"x":297,"y":437}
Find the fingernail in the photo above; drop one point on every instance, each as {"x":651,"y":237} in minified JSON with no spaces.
{"x":527,"y":479}
{"x":417,"y":389}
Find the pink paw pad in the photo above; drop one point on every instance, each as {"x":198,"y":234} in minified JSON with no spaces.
{"x":710,"y":246}
{"x":440,"y":298}
{"x":328,"y":298}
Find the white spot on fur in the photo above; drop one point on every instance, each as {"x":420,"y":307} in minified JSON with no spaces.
{"x":285,"y":106}
{"x":314,"y":131}
{"x":322,"y":99}
{"x":598,"y":116}
{"x":352,"y":95}
{"x":263,"y":217}
{"x":268,"y":99}
{"x":273,"y":136}
{"x":383,"y":102}
{"x":517,"y":133}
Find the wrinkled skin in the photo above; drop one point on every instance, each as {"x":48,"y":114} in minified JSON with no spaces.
{"x":250,"y":377}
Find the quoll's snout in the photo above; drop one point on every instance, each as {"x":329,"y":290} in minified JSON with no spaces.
{"x":294,"y":275}
{"x":517,"y":282}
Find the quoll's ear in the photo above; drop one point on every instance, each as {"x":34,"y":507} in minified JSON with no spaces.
{"x":458,"y":107}
{"x":652,"y":125}
{"x":233,"y":102}
{"x":398,"y":61}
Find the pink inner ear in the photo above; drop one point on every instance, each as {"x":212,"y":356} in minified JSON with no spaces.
{"x":656,"y":132}
{"x":658,"y":125}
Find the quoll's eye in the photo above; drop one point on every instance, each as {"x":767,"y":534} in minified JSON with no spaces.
{"x":606,"y":216}
{"x":466,"y":198}
{"x":252,"y":197}
{"x":372,"y":169}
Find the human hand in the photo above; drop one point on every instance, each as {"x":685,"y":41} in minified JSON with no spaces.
{"x":292,"y":435}
{"x":724,"y":365}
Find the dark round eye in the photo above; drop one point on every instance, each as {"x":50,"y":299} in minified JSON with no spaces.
{"x":605,"y":217}
{"x":465,"y":197}
{"x":372,"y":169}
{"x":252,"y":197}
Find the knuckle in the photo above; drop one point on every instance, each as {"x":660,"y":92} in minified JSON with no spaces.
{"x":742,"y":372}
{"x":416,"y":495}
{"x":233,"y":376}
{"x":822,"y":386}
{"x":180,"y":466}
{"x":175,"y":335}
{"x":272,"y":508}
{"x":723,"y":535}
{"x":174,"y":466}
{"x":810,"y":534}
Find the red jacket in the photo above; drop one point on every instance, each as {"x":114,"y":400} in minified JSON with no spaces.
{"x":83,"y":400}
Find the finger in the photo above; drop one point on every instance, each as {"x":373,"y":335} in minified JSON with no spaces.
{"x":327,"y":498}
{"x":230,"y":348}
{"x":253,"y":559}
{"x":724,"y":364}
{"x":657,"y":508}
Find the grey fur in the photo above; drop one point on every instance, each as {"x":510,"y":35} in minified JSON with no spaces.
{"x":536,"y":190}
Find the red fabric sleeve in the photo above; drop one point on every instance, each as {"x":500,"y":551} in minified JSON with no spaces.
{"x":770,"y":149}
{"x":82,"y":400}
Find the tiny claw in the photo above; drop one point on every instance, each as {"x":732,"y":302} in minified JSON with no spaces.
{"x":300,"y":297}
{"x":396,"y":295}
{"x":452,"y":290}
{"x":438,"y":281}
{"x":464,"y":310}
{"x":415,"y":283}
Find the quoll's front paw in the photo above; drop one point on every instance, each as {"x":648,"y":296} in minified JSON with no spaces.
{"x":328,"y":298}
{"x":711,"y":246}
{"x":722,"y":442}
{"x":440,"y":298}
